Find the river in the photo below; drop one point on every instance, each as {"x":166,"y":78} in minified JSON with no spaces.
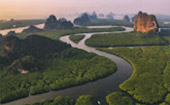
{"x":100,"y":88}
{"x":41,"y":26}
{"x":18,"y":30}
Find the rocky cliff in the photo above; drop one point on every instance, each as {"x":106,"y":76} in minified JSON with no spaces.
{"x":126,"y":18}
{"x":53,"y":23}
{"x":145,"y":23}
{"x":32,"y":29}
{"x":134,"y":18}
{"x":11,"y":33}
{"x":110,"y":16}
{"x":84,"y":18}
{"x":93,"y":17}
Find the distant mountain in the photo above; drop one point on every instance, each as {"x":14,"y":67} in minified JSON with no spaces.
{"x":126,"y":18}
{"x":84,"y":18}
{"x":134,"y":18}
{"x":53,"y":23}
{"x":101,"y":15}
{"x":62,"y":20}
{"x":162,"y":17}
{"x":11,"y":33}
{"x":110,"y":15}
{"x":32,"y":29}
{"x":93,"y":17}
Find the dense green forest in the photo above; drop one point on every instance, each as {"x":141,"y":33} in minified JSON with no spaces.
{"x":149,"y":83}
{"x":117,"y":98}
{"x":125,"y":39}
{"x":19,"y":23}
{"x":82,"y":100}
{"x":37,"y":65}
{"x":55,"y":34}
{"x":76,"y":38}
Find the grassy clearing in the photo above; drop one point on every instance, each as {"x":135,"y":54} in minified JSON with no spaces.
{"x":124,"y":39}
{"x":76,"y":38}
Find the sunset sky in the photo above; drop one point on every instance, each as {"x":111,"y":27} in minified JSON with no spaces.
{"x":35,"y":9}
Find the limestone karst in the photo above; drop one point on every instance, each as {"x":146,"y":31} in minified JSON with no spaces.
{"x":53,"y":23}
{"x":84,"y":18}
{"x":145,"y":23}
{"x":126,"y":18}
{"x":32,"y":29}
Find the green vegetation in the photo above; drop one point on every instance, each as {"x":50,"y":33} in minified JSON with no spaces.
{"x":163,"y":103}
{"x":76,"y":38}
{"x":82,"y":100}
{"x":167,"y":38}
{"x":103,"y":22}
{"x":16,"y":94}
{"x":18,"y":23}
{"x":85,"y":100}
{"x":125,"y":39}
{"x":55,"y":34}
{"x":37,"y":65}
{"x":165,"y":32}
{"x":168,"y":98}
{"x":150,"y":80}
{"x":56,"y":101}
{"x":117,"y":98}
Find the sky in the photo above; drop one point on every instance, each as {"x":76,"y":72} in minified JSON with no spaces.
{"x":36,"y":9}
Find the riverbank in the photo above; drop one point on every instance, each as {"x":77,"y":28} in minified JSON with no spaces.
{"x":99,"y":89}
{"x":148,"y":62}
{"x":125,"y":39}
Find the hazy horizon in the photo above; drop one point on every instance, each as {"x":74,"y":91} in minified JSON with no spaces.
{"x":38,"y":9}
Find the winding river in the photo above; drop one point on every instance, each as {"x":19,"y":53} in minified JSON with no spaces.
{"x":18,"y":30}
{"x":100,"y":88}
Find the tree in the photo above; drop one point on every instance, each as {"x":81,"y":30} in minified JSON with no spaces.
{"x":84,"y":100}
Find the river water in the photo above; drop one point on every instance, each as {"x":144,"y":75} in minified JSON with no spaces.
{"x":18,"y":30}
{"x":100,"y":88}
